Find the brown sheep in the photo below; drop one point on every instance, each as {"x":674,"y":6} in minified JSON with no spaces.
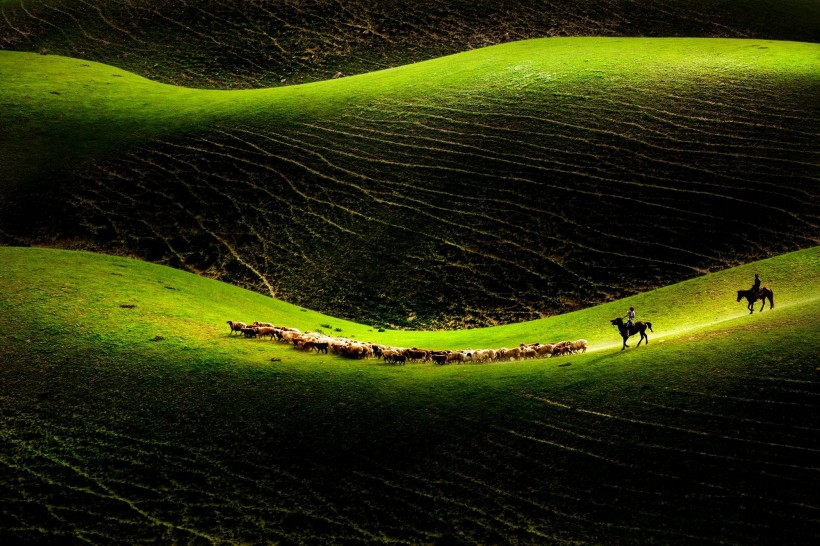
{"x":401,"y":360}
{"x":456,"y":357}
{"x":236,"y":326}
{"x":389,"y":355}
{"x":439,"y":358}
{"x":263,"y":331}
{"x":416,"y":354}
{"x":545,"y":350}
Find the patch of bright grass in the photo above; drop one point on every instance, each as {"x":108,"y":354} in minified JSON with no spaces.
{"x":57,"y":110}
{"x":97,"y":393}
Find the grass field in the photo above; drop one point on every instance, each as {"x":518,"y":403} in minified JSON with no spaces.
{"x":374,"y":170}
{"x":112,"y":435}
{"x":498,"y":185}
{"x":223,"y":44}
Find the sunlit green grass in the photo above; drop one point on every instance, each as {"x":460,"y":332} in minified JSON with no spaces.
{"x":56,"y":110}
{"x":63,"y":315}
{"x":83,"y":294}
{"x":89,"y":384}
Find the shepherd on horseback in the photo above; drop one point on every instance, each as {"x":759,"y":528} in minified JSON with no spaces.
{"x":630,"y":318}
{"x":757,"y":292}
{"x":756,"y":287}
{"x":638,"y":327}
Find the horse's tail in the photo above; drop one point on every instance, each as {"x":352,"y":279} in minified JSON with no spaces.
{"x":649,"y":324}
{"x":771,"y":298}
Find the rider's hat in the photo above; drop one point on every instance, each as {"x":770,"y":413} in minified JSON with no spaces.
{"x":631,"y":307}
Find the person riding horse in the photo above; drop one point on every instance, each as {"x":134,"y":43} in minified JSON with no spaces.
{"x":756,"y":286}
{"x":630,"y":318}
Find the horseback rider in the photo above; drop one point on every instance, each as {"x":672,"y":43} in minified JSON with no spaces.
{"x":630,"y":318}
{"x":756,"y":286}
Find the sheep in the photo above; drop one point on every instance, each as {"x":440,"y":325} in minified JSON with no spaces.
{"x":236,"y":326}
{"x":398,"y":355}
{"x":416,"y":354}
{"x":579,"y":346}
{"x":378,"y":350}
{"x":288,"y":336}
{"x":399,"y":359}
{"x":439,"y":358}
{"x":562,"y":348}
{"x":457,"y":356}
{"x":528,"y":352}
{"x":353,"y":351}
{"x":545,"y":350}
{"x":389,"y":355}
{"x":263,"y":331}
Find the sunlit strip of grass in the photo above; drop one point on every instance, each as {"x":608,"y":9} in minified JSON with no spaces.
{"x":56,"y":110}
{"x":85,"y":292}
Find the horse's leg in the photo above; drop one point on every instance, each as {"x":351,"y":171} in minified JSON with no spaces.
{"x":763,"y":304}
{"x":625,"y":345}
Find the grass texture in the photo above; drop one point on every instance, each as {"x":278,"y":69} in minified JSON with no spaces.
{"x":223,"y":44}
{"x":70,"y":109}
{"x":151,"y":423}
{"x":529,"y":179}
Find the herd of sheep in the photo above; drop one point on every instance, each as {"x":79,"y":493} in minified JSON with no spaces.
{"x":311,"y":341}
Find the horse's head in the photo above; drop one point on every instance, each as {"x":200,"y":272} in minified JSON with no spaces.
{"x":739,"y":294}
{"x":616,"y":321}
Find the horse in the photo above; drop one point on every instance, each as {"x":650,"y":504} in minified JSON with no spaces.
{"x":637,"y":327}
{"x":751,"y":297}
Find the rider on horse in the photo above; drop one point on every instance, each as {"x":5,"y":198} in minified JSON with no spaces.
{"x":630,"y":318}
{"x":756,"y":286}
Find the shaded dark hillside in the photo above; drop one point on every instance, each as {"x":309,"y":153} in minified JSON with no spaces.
{"x":225,"y":44}
{"x":436,"y":213}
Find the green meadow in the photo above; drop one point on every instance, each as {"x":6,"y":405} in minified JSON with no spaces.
{"x":166,"y":167}
{"x":70,"y":109}
{"x":494,"y":186}
{"x":123,"y":388}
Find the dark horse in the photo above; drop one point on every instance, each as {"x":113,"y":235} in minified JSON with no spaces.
{"x":636,"y":328}
{"x":751,"y":297}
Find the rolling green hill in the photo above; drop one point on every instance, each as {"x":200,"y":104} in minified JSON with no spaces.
{"x":494,"y":186}
{"x":370,"y":169}
{"x":224,"y":44}
{"x":150,"y":423}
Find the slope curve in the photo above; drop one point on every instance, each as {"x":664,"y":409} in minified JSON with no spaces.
{"x":131,"y":415}
{"x":498,"y":185}
{"x":224,"y":44}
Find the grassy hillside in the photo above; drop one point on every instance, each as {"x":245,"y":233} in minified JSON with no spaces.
{"x":109,"y":434}
{"x":223,"y":44}
{"x":494,"y":186}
